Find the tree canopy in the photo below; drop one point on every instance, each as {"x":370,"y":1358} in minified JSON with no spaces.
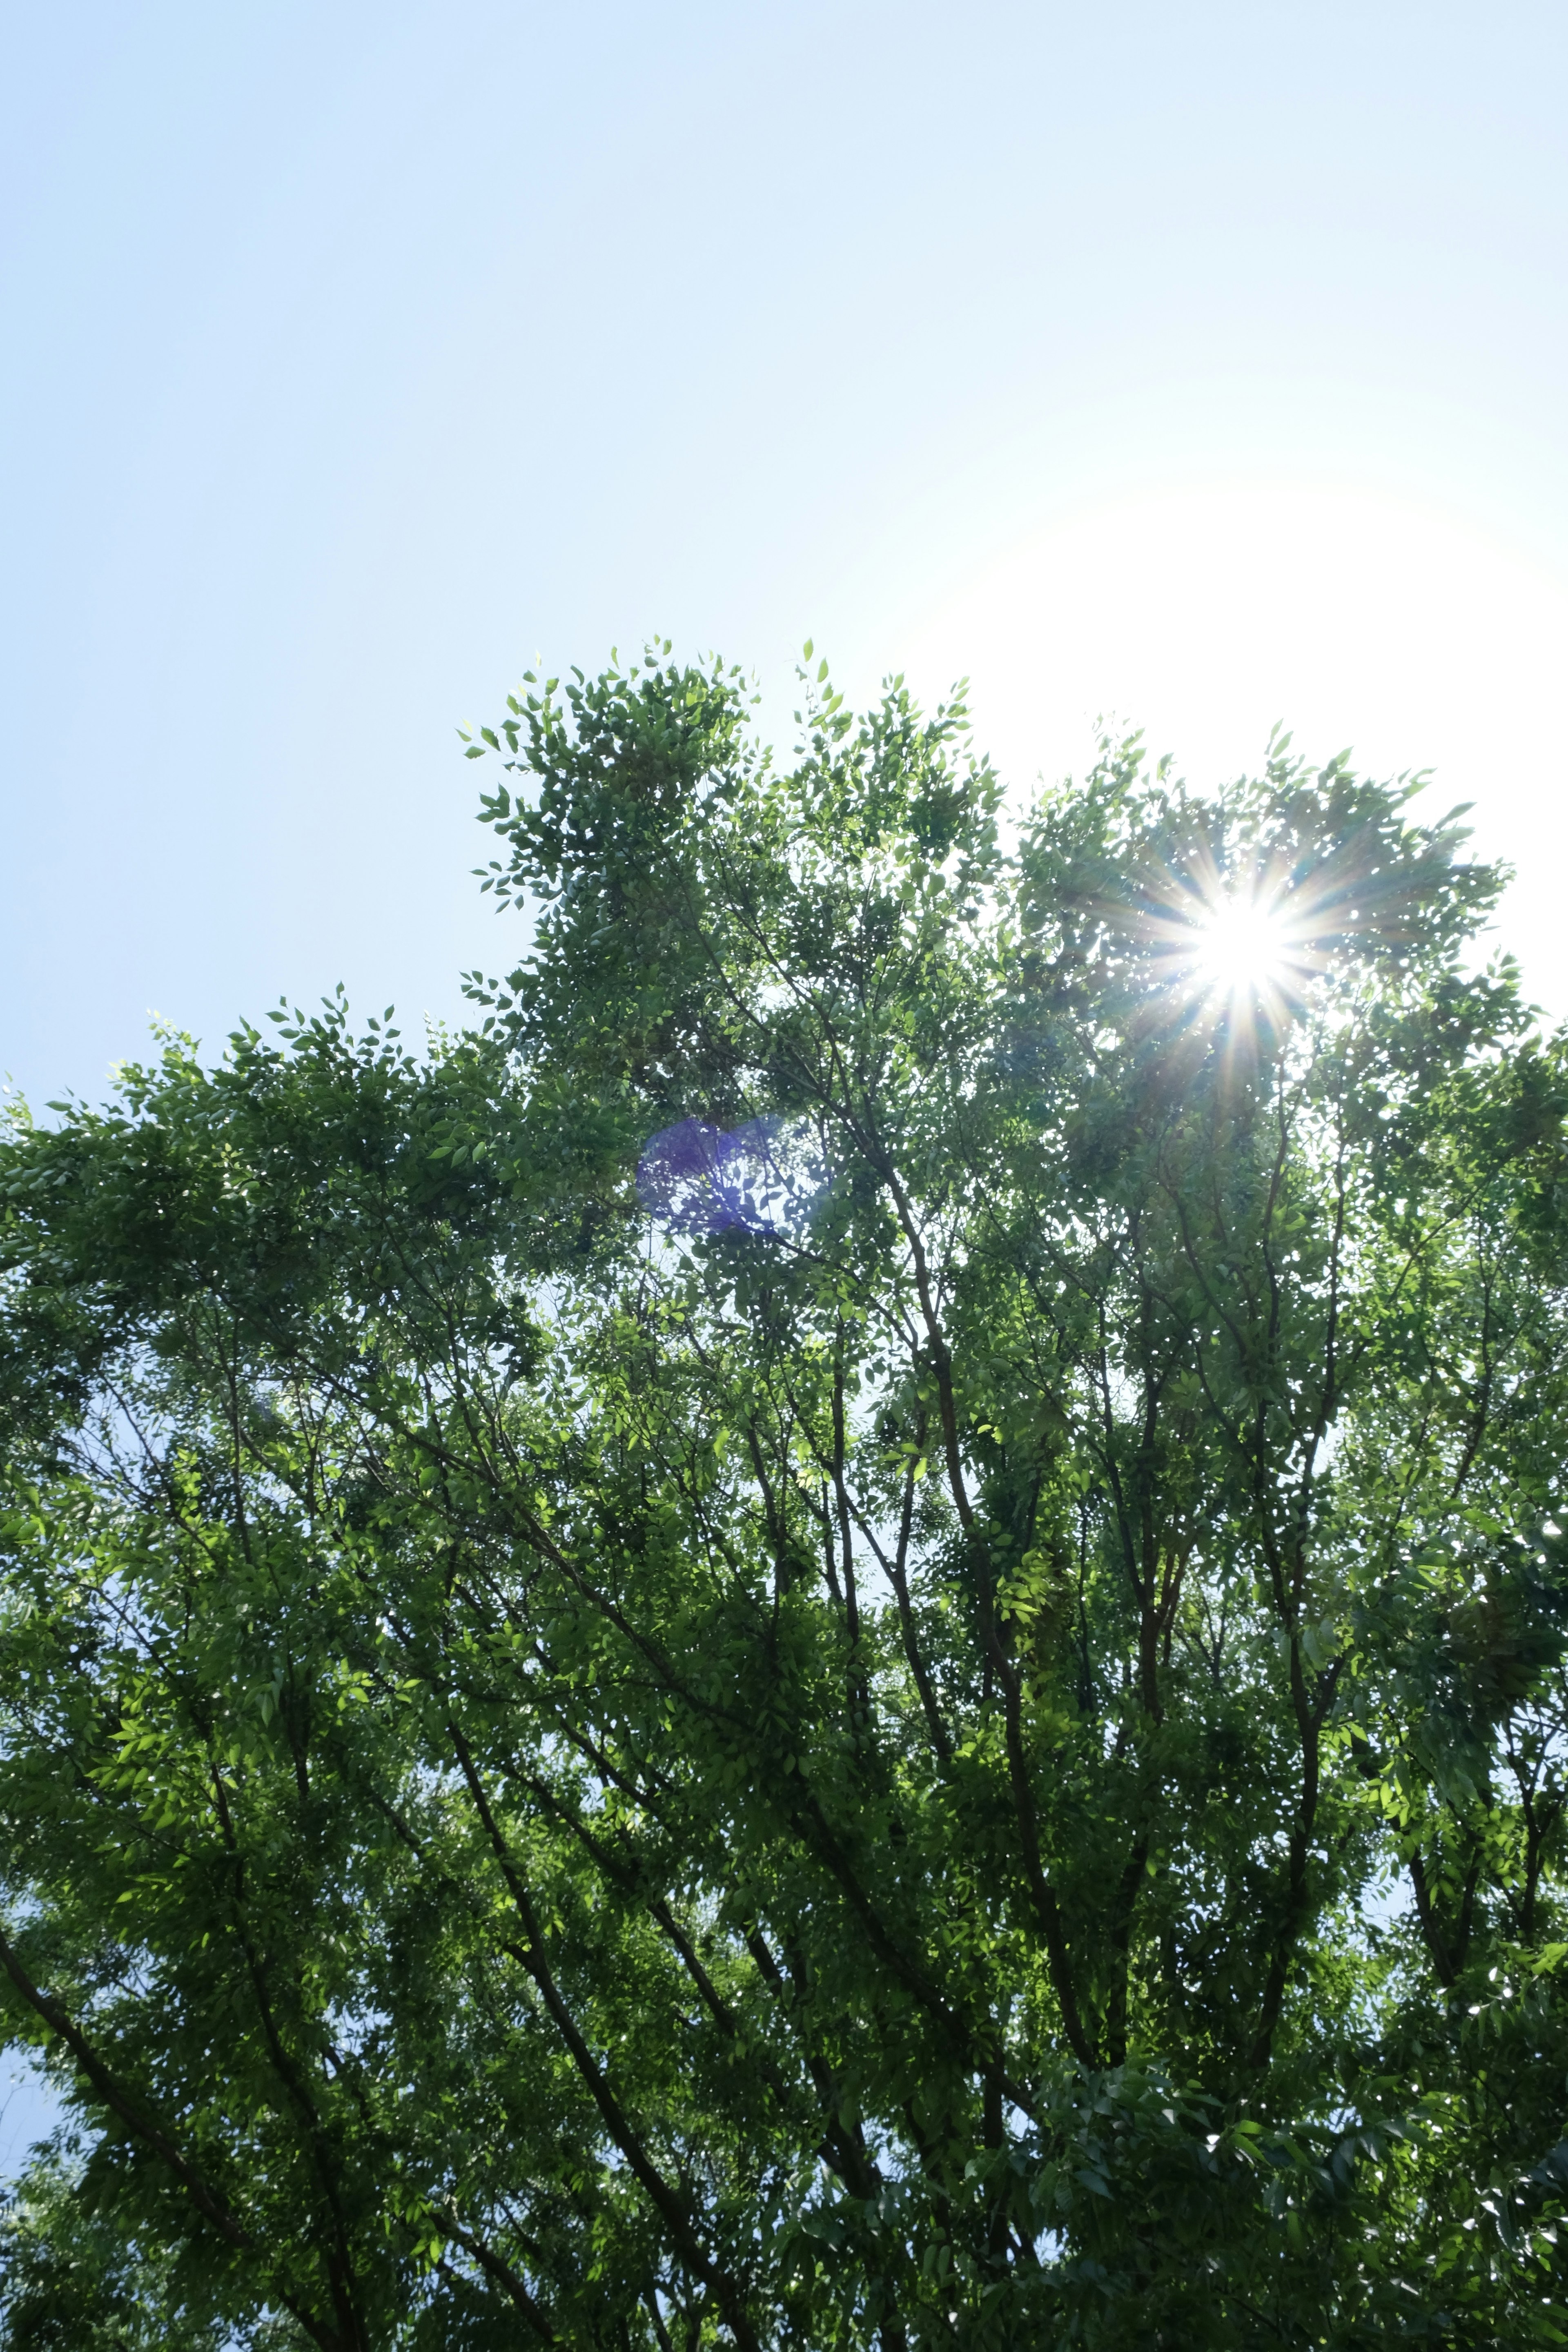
{"x":849,"y":1633}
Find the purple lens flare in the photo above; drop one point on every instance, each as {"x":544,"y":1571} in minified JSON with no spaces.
{"x":763,"y":1177}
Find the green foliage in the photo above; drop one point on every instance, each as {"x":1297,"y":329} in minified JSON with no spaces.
{"x":851,"y":1634}
{"x":73,"y":2279}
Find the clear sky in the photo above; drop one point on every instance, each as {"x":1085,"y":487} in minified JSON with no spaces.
{"x":1205,"y":364}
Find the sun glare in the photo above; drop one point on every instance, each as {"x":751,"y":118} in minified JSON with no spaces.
{"x":1238,"y":952}
{"x":1241,"y":948}
{"x":1204,"y":611}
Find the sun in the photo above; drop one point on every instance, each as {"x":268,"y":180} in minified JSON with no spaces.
{"x":1238,"y":950}
{"x":1206,"y":608}
{"x":1241,"y":948}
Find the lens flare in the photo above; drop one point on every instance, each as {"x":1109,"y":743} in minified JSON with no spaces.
{"x":767,"y":1176}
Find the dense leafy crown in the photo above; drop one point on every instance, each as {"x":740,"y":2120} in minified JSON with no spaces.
{"x":850,"y":1635}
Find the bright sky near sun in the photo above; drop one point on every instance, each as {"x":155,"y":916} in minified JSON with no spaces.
{"x":1200,"y":366}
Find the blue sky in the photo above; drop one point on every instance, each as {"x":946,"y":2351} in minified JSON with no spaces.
{"x":1203,"y":362}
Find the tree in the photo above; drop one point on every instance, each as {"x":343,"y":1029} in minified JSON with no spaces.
{"x":850,"y":1635}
